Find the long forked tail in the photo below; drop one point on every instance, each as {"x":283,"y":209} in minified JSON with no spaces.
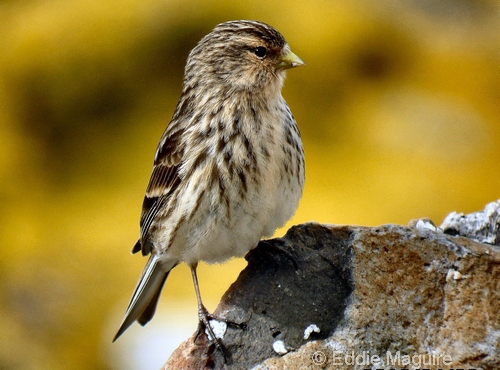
{"x":142,"y":306}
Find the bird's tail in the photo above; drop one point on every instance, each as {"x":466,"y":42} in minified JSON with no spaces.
{"x":142,"y":306}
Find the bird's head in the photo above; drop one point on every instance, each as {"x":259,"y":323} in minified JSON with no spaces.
{"x":241,"y":55}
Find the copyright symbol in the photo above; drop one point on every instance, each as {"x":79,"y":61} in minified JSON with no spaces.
{"x":318,"y":358}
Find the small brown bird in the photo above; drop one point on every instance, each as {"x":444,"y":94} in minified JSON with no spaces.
{"x":229,"y":168}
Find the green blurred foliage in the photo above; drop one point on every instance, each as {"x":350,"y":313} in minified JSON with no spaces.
{"x":398,"y":107}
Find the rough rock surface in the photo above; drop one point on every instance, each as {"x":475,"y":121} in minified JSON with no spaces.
{"x":483,"y":226}
{"x":381,"y":297}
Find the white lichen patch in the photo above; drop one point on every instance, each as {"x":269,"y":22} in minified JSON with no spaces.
{"x":218,"y":327}
{"x":454,"y":275}
{"x":279,"y":347}
{"x":310,"y":329}
{"x":424,"y":224}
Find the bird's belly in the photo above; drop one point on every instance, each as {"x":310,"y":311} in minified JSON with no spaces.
{"x":222,"y":229}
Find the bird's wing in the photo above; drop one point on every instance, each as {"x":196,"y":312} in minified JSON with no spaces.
{"x":163,"y":182}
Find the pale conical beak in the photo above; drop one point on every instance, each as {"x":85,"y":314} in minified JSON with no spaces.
{"x":290,"y":60}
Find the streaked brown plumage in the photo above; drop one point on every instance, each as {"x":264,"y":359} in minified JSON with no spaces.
{"x":229,"y":168}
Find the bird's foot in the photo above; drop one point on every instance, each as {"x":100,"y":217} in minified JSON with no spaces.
{"x":214,"y":331}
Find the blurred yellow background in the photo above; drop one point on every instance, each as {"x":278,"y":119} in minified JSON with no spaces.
{"x":398,"y":106}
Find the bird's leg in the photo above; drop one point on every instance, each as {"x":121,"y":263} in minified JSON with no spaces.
{"x":203,"y":316}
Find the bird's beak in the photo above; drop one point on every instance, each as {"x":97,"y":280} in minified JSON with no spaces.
{"x":289,"y":60}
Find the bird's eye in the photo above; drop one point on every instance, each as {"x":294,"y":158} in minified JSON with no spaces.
{"x":260,"y":51}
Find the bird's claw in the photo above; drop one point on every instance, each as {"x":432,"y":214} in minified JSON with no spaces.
{"x":204,"y":318}
{"x":204,"y":327}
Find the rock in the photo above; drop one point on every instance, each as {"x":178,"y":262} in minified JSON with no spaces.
{"x":356,"y":297}
{"x":482,"y":226}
